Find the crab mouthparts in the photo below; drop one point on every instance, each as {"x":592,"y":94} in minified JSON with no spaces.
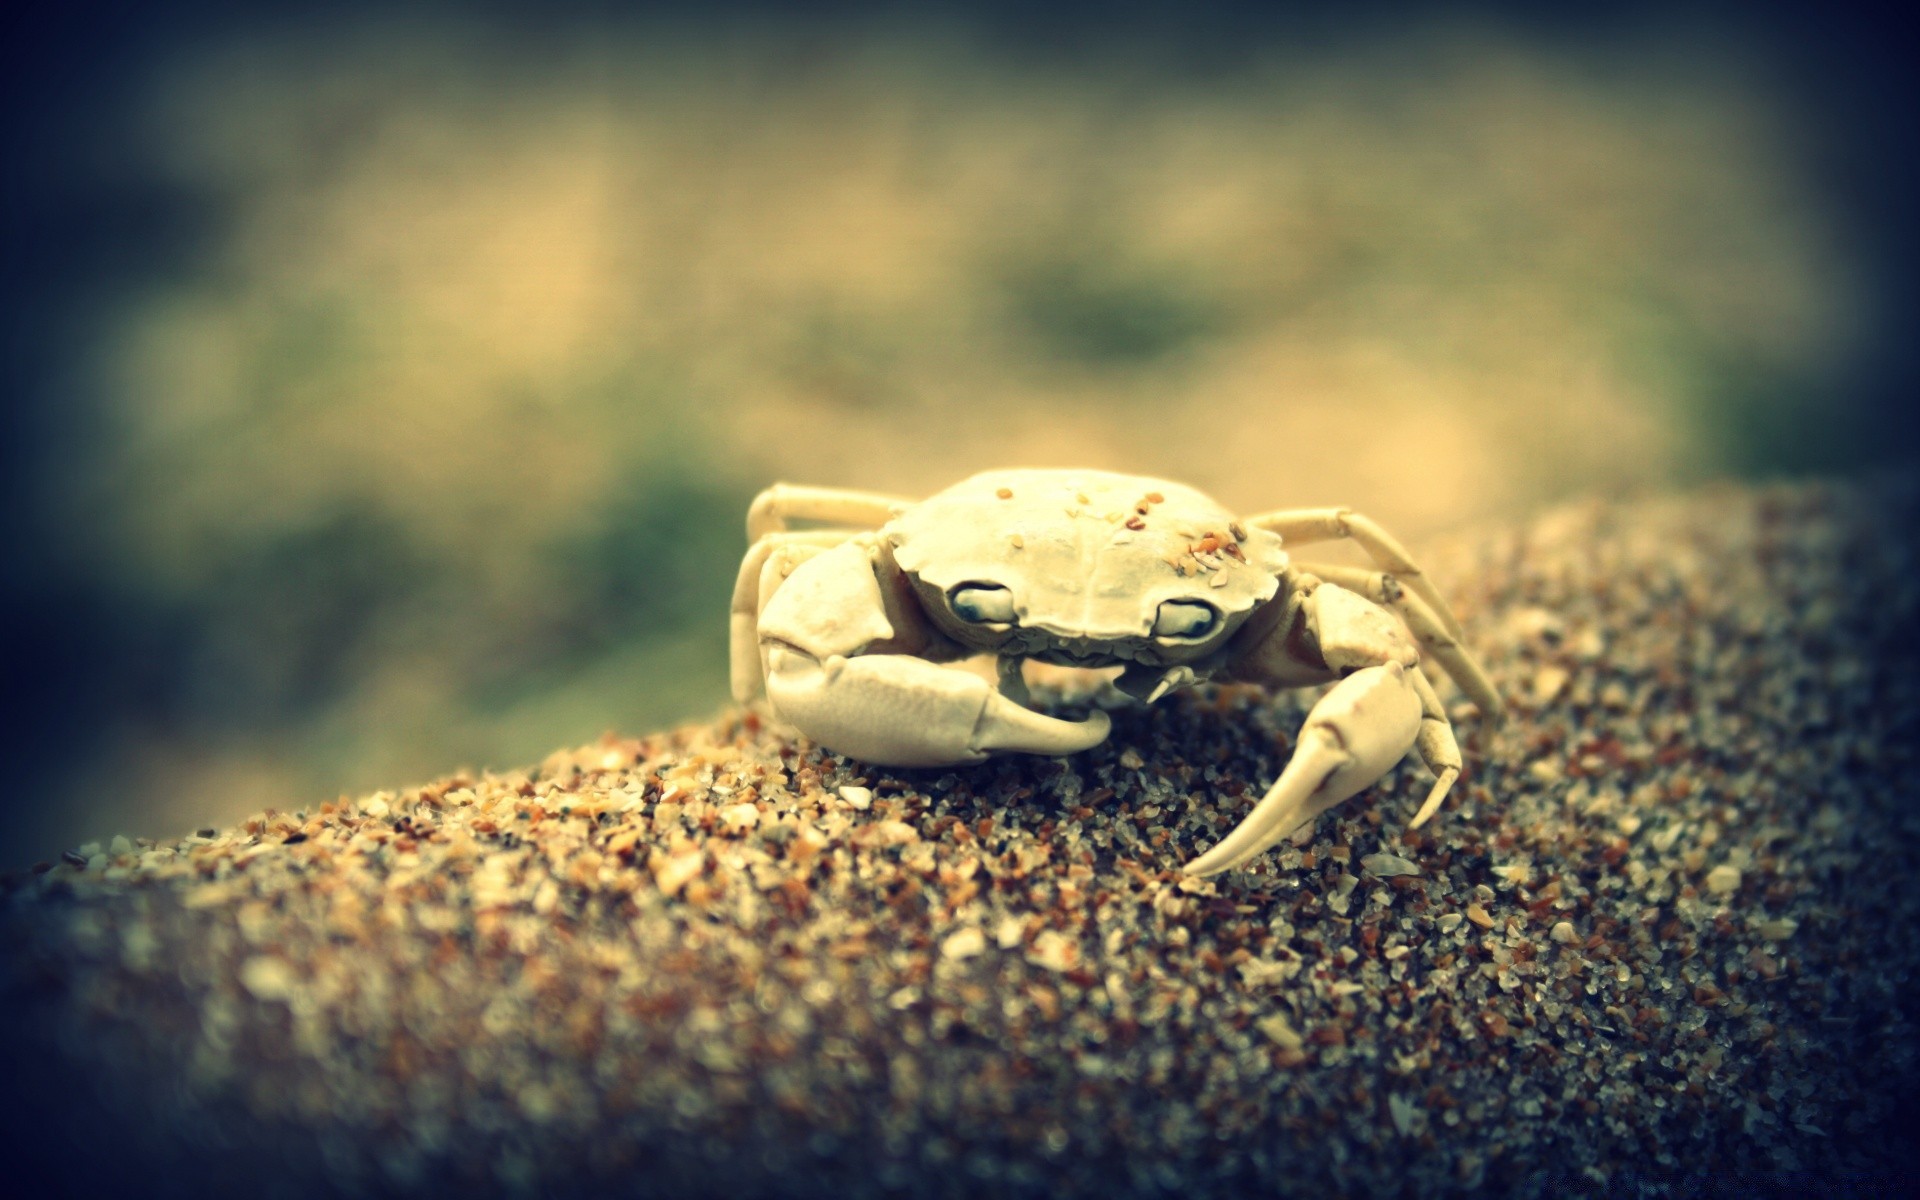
{"x":1061,"y":658}
{"x":1079,"y":654}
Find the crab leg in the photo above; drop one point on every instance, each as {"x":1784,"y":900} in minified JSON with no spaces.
{"x":1384,"y":588}
{"x":1303,"y":526}
{"x":784,"y":502}
{"x":768,"y":561}
{"x":1437,"y":748}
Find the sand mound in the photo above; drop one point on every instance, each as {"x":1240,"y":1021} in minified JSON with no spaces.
{"x":1658,"y":936}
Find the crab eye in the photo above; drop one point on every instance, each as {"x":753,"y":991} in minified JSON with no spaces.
{"x":1185,"y":619}
{"x":983,"y":604}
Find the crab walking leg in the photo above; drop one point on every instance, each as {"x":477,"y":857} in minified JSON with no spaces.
{"x":1303,"y":526}
{"x":1384,"y":588}
{"x":1437,"y":747}
{"x":784,"y":502}
{"x":894,"y":709}
{"x":750,"y":593}
{"x":1353,"y":736}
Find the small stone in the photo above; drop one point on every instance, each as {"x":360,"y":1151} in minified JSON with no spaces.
{"x":375,"y":807}
{"x":740,"y":817}
{"x":547,"y":898}
{"x":1054,"y":950}
{"x":1723,"y":880}
{"x":881,"y":834}
{"x":805,"y":843}
{"x":675,"y":871}
{"x":1515,"y":873}
{"x":1131,"y":760}
{"x":1009,"y":932}
{"x":267,"y":977}
{"x":1388,"y":865}
{"x":1564,"y":933}
{"x":1267,"y":972}
{"x":1589,"y":643}
{"x":1778,"y":930}
{"x":859,"y":797}
{"x":1405,"y":1113}
{"x":963,"y":944}
{"x":1280,"y":1032}
{"x":1548,"y":682}
{"x":1479,"y":916}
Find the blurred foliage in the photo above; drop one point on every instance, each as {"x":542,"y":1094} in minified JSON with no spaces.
{"x":439,"y":451}
{"x":1104,"y":312}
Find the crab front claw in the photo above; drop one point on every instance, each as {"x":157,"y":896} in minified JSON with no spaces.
{"x":901,"y":711}
{"x":1353,"y":736}
{"x":840,"y":657}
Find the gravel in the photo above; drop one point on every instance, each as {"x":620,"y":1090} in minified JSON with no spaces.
{"x":1659,"y":939}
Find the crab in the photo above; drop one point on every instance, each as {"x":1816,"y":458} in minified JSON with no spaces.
{"x":852,"y":625}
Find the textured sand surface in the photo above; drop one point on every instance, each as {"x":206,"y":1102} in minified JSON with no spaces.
{"x":1662,"y":934}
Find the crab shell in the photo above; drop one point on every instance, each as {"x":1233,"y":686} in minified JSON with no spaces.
{"x":1089,"y":557}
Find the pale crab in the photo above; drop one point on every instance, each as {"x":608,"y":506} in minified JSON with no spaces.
{"x":847,"y":625}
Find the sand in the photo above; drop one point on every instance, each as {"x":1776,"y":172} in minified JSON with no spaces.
{"x":1660,"y":938}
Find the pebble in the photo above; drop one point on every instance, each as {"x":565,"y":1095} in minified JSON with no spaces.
{"x":1054,"y":950}
{"x":675,"y":871}
{"x":1387,"y":865}
{"x":1280,"y":1031}
{"x":267,"y":977}
{"x":963,"y":944}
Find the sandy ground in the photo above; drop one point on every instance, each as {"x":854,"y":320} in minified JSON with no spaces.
{"x":1659,"y":937}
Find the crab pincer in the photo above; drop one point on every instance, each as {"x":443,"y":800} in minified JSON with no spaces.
{"x":903,"y":712}
{"x":1353,"y":736}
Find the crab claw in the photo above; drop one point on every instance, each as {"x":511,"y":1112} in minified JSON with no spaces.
{"x":1353,"y":736}
{"x":904,"y":712}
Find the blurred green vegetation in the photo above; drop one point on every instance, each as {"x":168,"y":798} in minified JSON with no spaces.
{"x":439,"y":454}
{"x":1101,"y":311}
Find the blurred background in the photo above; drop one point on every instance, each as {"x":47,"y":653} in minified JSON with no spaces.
{"x":387,"y":383}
